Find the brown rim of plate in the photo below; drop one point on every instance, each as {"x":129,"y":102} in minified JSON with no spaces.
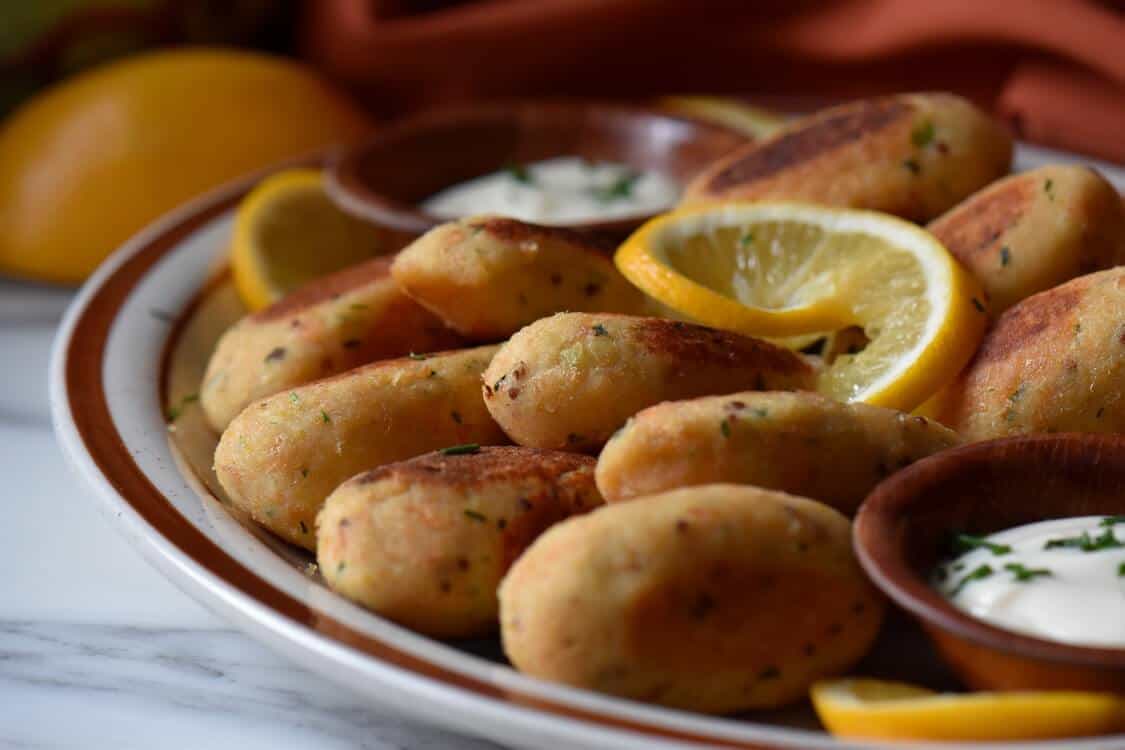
{"x":83,"y":382}
{"x":876,"y":544}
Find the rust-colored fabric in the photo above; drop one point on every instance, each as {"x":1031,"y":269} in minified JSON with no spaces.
{"x":1054,"y":68}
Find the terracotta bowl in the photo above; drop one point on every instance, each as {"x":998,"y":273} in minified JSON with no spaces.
{"x":385,"y":179}
{"x":903,"y":529}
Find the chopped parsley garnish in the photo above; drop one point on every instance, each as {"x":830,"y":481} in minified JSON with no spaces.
{"x":1121,"y":570}
{"x":978,"y":305}
{"x":1086,"y":543}
{"x":724,"y":427}
{"x":760,"y":411}
{"x":1005,"y":256}
{"x":1112,"y":520}
{"x":357,"y":306}
{"x":976,"y":574}
{"x":324,"y":417}
{"x":745,"y":240}
{"x":519,"y":173}
{"x":599,"y":330}
{"x":470,"y":513}
{"x":1023,"y":574}
{"x":418,"y":357}
{"x":620,"y":188}
{"x":966,"y":542}
{"x":460,"y":450}
{"x":294,"y":397}
{"x":923,"y":134}
{"x":174,"y":412}
{"x":1048,"y":188}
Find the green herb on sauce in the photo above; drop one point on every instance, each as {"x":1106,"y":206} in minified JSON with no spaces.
{"x":966,"y":542}
{"x":976,"y":574}
{"x":1121,"y":570}
{"x":724,"y":427}
{"x":1022,"y":574}
{"x":923,"y":134}
{"x":519,"y":173}
{"x":745,"y":240}
{"x":460,"y":450}
{"x":620,"y":188}
{"x":1005,"y":256}
{"x":294,"y":397}
{"x":479,"y":517}
{"x":418,"y":357}
{"x":324,"y":417}
{"x":978,"y":305}
{"x":599,"y":330}
{"x":1112,"y":520}
{"x":1048,"y":188}
{"x":1086,"y":543}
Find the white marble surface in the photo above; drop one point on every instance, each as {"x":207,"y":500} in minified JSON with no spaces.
{"x":97,"y":650}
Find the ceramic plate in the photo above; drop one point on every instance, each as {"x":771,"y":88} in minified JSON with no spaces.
{"x":137,"y":339}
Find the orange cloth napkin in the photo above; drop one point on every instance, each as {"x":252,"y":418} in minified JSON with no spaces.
{"x":1055,"y":69}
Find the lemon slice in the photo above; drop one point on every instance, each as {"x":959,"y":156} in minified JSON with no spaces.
{"x":755,"y":122}
{"x":912,"y":315}
{"x":874,"y":709}
{"x":288,"y":232}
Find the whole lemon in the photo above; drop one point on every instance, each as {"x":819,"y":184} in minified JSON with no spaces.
{"x":87,"y":163}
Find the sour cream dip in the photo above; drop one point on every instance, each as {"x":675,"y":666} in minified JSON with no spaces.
{"x":564,"y":190}
{"x":1062,"y":580}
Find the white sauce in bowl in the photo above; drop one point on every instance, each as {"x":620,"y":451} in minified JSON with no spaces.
{"x":564,"y":190}
{"x":1062,"y":580}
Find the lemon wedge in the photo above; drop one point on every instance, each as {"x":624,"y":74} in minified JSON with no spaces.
{"x":911,"y":315}
{"x":875,"y":709}
{"x":288,"y":232}
{"x":755,"y":122}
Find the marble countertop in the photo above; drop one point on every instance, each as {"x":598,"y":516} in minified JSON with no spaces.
{"x":97,"y":650}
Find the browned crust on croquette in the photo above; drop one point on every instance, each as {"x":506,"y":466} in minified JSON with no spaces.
{"x":835,"y":129}
{"x":488,"y":464}
{"x":327,"y":288}
{"x":1020,"y":326}
{"x":515,"y":231}
{"x":971,"y":229}
{"x":699,"y":345}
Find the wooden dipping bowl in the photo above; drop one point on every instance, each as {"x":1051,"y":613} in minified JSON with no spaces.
{"x":384,"y":179}
{"x":902,"y":531}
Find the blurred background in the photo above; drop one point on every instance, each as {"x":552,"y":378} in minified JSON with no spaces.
{"x":90,"y":94}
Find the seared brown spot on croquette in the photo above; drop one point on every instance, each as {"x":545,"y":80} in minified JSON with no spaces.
{"x":820,"y":136}
{"x":1020,"y":326}
{"x":489,"y":464}
{"x":329,"y":287}
{"x":512,"y":230}
{"x":973,"y":228}
{"x":699,"y":345}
